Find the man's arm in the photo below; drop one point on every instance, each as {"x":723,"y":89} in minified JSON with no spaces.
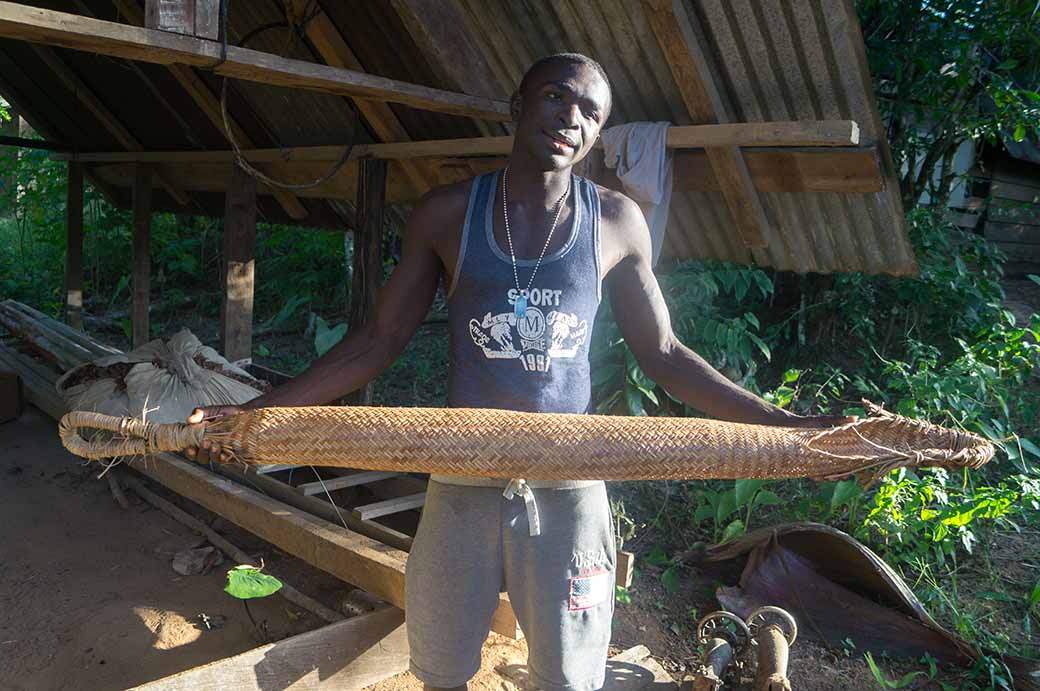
{"x":400,"y":308}
{"x":642,"y":315}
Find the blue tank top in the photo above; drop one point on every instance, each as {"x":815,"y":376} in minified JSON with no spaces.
{"x":538,"y":362}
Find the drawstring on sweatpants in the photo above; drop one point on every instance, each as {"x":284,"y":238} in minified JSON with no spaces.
{"x":520,"y":486}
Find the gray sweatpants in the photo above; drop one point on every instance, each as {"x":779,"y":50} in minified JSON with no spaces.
{"x":473,"y":543}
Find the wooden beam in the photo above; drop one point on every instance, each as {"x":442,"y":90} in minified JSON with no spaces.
{"x":445,"y":40}
{"x":123,"y":41}
{"x":368,"y":253}
{"x":824,"y":133}
{"x":347,"y":656}
{"x":108,"y":119}
{"x":26,"y":143}
{"x":142,"y":267}
{"x":379,"y":117}
{"x":73,"y":292}
{"x":210,"y":107}
{"x":367,"y":512}
{"x":852,"y":170}
{"x":685,"y":56}
{"x":236,"y":314}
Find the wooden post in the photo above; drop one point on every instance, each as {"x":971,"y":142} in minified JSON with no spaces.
{"x":73,"y":293}
{"x":368,"y":253}
{"x":141,"y":261}
{"x":236,"y":314}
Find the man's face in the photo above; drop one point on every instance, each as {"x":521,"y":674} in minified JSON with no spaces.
{"x":561,"y":112}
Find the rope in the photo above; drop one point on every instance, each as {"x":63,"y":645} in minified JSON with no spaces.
{"x":297,"y":31}
{"x":540,"y":446}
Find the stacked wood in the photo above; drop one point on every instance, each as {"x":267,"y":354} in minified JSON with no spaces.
{"x":55,"y":342}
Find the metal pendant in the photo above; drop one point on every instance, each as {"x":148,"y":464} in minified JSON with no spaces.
{"x":520,"y":307}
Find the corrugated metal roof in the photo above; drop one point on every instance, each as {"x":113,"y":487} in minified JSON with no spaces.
{"x":772,"y":60}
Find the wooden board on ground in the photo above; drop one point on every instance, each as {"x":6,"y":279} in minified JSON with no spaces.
{"x":346,"y":656}
{"x":389,"y":506}
{"x":344,"y":481}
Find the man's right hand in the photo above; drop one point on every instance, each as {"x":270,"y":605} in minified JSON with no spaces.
{"x":210,"y":450}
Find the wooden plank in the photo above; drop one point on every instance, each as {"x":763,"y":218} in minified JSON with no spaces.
{"x":379,"y":117}
{"x":367,"y":512}
{"x":347,"y":656}
{"x":123,"y":41}
{"x":1012,"y":232}
{"x":273,"y":468}
{"x":624,"y":568}
{"x":1006,"y":189}
{"x":344,"y":481}
{"x":73,"y":292}
{"x":318,"y":507}
{"x":672,"y":27}
{"x":368,"y":254}
{"x":142,"y":267}
{"x":1014,"y":211}
{"x":853,"y":170}
{"x":236,"y":314}
{"x":102,"y":113}
{"x":210,"y":106}
{"x":825,"y":133}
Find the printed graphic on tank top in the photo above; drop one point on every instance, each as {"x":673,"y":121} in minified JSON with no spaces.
{"x":538,"y":360}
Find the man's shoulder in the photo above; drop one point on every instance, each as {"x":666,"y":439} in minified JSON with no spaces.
{"x":442,"y":209}
{"x":616,"y":207}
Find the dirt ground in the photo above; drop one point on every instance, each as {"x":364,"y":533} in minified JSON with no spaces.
{"x":88,"y":599}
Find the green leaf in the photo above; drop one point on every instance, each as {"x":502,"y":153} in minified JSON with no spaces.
{"x":246,"y":582}
{"x":767,"y":498}
{"x":325,"y":338}
{"x":727,"y":505}
{"x":791,"y":376}
{"x":745,"y":490}
{"x":1020,"y":132}
{"x":1029,"y":446}
{"x":1034,"y":278}
{"x":670,"y":579}
{"x":1034,"y":596}
{"x":621,"y":595}
{"x":886,"y":683}
{"x":635,"y":401}
{"x":844,"y":492}
{"x":657,"y":557}
{"x":734,"y":529}
{"x":703,"y":512}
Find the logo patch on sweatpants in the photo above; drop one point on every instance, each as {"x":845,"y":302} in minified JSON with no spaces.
{"x":589,"y":590}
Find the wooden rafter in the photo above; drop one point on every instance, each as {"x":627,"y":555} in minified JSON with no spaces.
{"x":210,"y":106}
{"x":444,"y":38}
{"x":685,"y":56}
{"x":379,"y":117}
{"x":124,"y":41}
{"x":106,"y":117}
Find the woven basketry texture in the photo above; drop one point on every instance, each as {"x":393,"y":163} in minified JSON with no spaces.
{"x":538,"y":446}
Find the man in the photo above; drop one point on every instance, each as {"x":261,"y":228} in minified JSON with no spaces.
{"x":523,"y":253}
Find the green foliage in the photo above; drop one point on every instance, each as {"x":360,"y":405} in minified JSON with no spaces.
{"x":325,"y":337}
{"x":947,"y":71}
{"x":247,"y":582}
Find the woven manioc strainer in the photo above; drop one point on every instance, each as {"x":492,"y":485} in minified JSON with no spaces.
{"x":499,"y":443}
{"x":540,"y":446}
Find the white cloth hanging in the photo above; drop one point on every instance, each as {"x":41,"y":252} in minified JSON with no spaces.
{"x":639,"y":152}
